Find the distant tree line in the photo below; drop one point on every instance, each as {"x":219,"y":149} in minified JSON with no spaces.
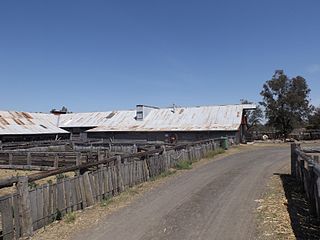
{"x":285,"y":106}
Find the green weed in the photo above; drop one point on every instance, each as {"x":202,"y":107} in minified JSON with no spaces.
{"x":214,"y":153}
{"x":184,"y":165}
{"x":70,"y":217}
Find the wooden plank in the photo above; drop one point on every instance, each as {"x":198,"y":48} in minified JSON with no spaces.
{"x":146,"y":170}
{"x":82,"y":192}
{"x":17,"y":219}
{"x":46,"y":204}
{"x":110,"y":181}
{"x":88,"y":189}
{"x":125,"y":174}
{"x":93,"y":186}
{"x":52,"y":201}
{"x":115,"y":180}
{"x":34,"y":208}
{"x":61,"y":201}
{"x":119,"y":177}
{"x":56,"y":161}
{"x":101,"y":183}
{"x":25,"y":167}
{"x":10,"y":158}
{"x":67,"y":190}
{"x":138,"y":171}
{"x":97,"y":185}
{"x":39,"y":196}
{"x":130,"y":166}
{"x":28,"y":158}
{"x":7,"y":218}
{"x":73,"y":195}
{"x":106,"y":182}
{"x":78,"y":199}
{"x":78,"y":162}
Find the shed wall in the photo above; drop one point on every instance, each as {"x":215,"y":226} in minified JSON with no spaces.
{"x":161,"y":136}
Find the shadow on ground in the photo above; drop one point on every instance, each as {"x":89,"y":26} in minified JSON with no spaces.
{"x":303,"y":224}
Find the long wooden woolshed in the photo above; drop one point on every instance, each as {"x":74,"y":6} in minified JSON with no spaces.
{"x":143,"y":123}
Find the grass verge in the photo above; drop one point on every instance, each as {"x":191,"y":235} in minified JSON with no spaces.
{"x":164,"y":174}
{"x":215,"y":152}
{"x":184,"y":165}
{"x":70,"y":217}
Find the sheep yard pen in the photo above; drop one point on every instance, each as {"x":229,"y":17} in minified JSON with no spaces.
{"x":102,"y":170}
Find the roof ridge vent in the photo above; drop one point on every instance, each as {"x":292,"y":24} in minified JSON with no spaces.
{"x":142,"y":111}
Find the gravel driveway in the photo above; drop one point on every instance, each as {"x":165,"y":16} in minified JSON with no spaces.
{"x":212,"y":201}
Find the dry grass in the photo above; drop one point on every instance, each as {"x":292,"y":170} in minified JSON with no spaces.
{"x":273,"y":217}
{"x":283,"y":212}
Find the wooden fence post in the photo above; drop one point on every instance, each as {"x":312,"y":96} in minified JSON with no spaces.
{"x":56,"y":161}
{"x":24,"y":206}
{"x":294,"y":159}
{"x":312,"y":197}
{"x":101,"y":155}
{"x":119,"y":177}
{"x":29,"y":159}
{"x":88,"y":189}
{"x":78,"y":162}
{"x":10,"y":158}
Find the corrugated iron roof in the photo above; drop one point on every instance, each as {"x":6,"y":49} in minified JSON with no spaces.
{"x":16,"y":123}
{"x":91,"y":119}
{"x":205,"y":118}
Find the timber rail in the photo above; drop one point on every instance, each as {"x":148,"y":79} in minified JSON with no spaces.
{"x":305,"y":167}
{"x":37,"y":176}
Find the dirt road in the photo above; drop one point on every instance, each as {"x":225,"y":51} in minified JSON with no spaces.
{"x":212,"y":201}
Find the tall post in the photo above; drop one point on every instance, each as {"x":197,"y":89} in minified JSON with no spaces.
{"x":294,"y":159}
{"x":24,"y":207}
{"x":313,"y":183}
{"x":101,"y":156}
{"x":56,"y":161}
{"x":78,"y":162}
{"x":29,"y":159}
{"x":10,"y":158}
{"x":119,"y":176}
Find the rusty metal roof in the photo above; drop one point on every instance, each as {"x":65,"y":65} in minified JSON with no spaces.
{"x":92,"y":119}
{"x":16,"y":123}
{"x":204,"y":118}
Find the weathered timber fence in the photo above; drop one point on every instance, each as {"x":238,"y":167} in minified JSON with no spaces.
{"x":306,"y":169}
{"x":30,"y":209}
{"x":33,"y":144}
{"x":44,"y":160}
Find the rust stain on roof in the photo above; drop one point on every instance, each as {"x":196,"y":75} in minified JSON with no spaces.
{"x":3,"y":121}
{"x":18,"y":121}
{"x":26,"y":115}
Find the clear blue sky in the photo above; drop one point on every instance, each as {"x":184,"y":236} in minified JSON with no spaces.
{"x":104,"y":55}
